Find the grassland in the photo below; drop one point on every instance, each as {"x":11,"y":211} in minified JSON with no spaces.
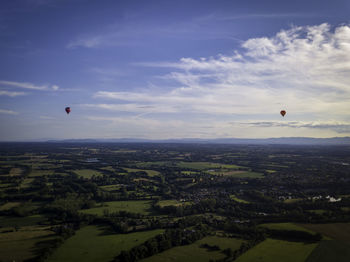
{"x":92,"y":243}
{"x":110,"y":188}
{"x":139,"y":206}
{"x":330,"y":250}
{"x":205,"y":165}
{"x":189,"y":172}
{"x":272,"y":250}
{"x":237,"y":173}
{"x":286,"y":226}
{"x":149,"y":172}
{"x":171,"y":202}
{"x":21,"y":221}
{"x":20,"y":245}
{"x":194,"y":252}
{"x":190,"y":165}
{"x":9,"y":205}
{"x":108,"y":168}
{"x":292,"y":200}
{"x":336,"y":231}
{"x":87,"y":173}
{"x":16,"y":171}
{"x":38,"y":172}
{"x":318,"y":211}
{"x":235,"y":198}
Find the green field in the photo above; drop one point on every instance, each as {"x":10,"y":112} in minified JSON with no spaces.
{"x":26,"y":182}
{"x":38,"y":172}
{"x":149,"y":172}
{"x":155,"y":163}
{"x":139,"y":206}
{"x":172,"y":202}
{"x":286,"y":226}
{"x":189,"y":172}
{"x":205,"y":165}
{"x":318,"y":211}
{"x":194,"y":252}
{"x":336,"y":231}
{"x":191,"y":165}
{"x":330,"y":250}
{"x":110,"y":187}
{"x":272,"y":250}
{"x":237,"y":173}
{"x":20,"y":245}
{"x":93,"y":243}
{"x":21,"y":221}
{"x":235,"y":198}
{"x":87,"y":173}
{"x":108,"y":168}
{"x":9,"y":205}
{"x":16,"y":171}
{"x":292,"y":200}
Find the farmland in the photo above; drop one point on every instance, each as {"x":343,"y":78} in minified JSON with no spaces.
{"x":278,"y":250}
{"x":196,"y":251}
{"x":18,"y":245}
{"x":139,"y":206}
{"x":93,"y":243}
{"x":173,"y":202}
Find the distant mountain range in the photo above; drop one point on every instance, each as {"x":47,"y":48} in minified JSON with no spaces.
{"x":257,"y":141}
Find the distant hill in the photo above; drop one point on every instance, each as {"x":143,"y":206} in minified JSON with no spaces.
{"x":264,"y":141}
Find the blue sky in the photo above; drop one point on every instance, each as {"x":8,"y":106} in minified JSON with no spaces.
{"x":174,"y":69}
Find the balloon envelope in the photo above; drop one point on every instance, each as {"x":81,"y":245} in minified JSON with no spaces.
{"x":283,"y":112}
{"x":67,"y":110}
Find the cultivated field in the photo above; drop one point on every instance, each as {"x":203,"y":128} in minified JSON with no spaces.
{"x":286,"y":226}
{"x":336,"y":231}
{"x":330,"y":250}
{"x":272,"y":250}
{"x":194,"y":252}
{"x":87,"y":173}
{"x":139,"y":206}
{"x":20,"y":245}
{"x":94,"y":244}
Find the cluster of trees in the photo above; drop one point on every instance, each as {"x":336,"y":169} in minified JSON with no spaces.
{"x":170,"y":238}
{"x":232,"y":255}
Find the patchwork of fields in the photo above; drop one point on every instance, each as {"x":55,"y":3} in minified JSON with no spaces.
{"x":93,"y":244}
{"x":278,"y":250}
{"x":195,"y":252}
{"x":101,"y":200}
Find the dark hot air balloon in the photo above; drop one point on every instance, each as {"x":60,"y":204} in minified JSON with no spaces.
{"x":67,"y":110}
{"x":283,"y":112}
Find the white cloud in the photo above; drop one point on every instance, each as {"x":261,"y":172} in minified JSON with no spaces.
{"x":132,"y":107}
{"x":11,"y":94}
{"x":337,"y":126}
{"x":28,"y":85}
{"x":23,"y":85}
{"x":8,"y":112}
{"x":304,"y":70}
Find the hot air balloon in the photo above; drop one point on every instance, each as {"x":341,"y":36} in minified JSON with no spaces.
{"x":283,"y":112}
{"x":67,"y":110}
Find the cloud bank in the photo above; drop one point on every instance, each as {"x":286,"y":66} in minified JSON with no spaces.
{"x":304,"y":70}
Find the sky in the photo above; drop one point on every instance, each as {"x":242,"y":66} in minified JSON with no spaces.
{"x":160,"y":69}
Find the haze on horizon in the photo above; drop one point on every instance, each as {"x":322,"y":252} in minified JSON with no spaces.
{"x":174,"y":69}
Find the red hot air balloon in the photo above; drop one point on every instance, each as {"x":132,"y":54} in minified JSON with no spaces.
{"x":67,"y":110}
{"x":283,"y":112}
